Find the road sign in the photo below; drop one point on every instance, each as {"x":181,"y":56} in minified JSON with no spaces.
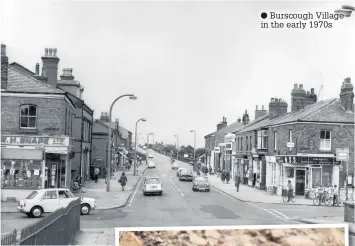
{"x":342,"y":154}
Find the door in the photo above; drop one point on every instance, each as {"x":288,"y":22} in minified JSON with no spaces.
{"x":300,"y":182}
{"x":64,"y":198}
{"x":50,"y":201}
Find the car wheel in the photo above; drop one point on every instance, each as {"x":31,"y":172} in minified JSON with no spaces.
{"x":144,"y":194}
{"x":85,"y":209}
{"x":29,"y":215}
{"x":193,"y":188}
{"x":161,"y":193}
{"x":208,"y":190}
{"x":36,"y":212}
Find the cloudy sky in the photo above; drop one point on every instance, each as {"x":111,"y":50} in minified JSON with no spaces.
{"x":189,"y":63}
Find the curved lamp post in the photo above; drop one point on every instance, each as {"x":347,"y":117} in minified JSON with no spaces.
{"x":194,"y":131}
{"x":177,"y":147}
{"x":151,"y":133}
{"x":132,"y":97}
{"x":135,"y":153}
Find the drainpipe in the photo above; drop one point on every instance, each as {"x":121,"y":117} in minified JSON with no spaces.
{"x":90,"y":135}
{"x":81,"y":139}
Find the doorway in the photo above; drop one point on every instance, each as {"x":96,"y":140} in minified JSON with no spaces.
{"x":254,"y":179}
{"x":300,"y":182}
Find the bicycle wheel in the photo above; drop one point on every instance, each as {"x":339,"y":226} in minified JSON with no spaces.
{"x":312,"y":194}
{"x":293,"y":199}
{"x":327,"y":201}
{"x":285,"y":199}
{"x":316,"y":201}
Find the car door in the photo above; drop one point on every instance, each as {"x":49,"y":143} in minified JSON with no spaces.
{"x":64,"y":198}
{"x":49,"y":201}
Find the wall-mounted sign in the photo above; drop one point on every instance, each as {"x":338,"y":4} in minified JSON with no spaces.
{"x":228,"y":146}
{"x":342,"y":154}
{"x":270,"y":159}
{"x":290,"y":145}
{"x":35,"y":140}
{"x":217,"y":150}
{"x":293,"y":159}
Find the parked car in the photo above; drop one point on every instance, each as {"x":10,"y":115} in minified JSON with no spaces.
{"x":191,"y":163}
{"x":186,"y":174}
{"x":175,"y":166}
{"x":151,"y":164}
{"x":152,"y":185}
{"x":150,"y":156}
{"x":201,"y":183}
{"x":49,"y":200}
{"x":178,"y":171}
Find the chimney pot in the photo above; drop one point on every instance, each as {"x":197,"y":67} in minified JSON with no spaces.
{"x":3,"y":50}
{"x":262,"y":107}
{"x":55,"y":52}
{"x":46,"y":52}
{"x":37,"y":68}
{"x":295,"y":86}
{"x":347,"y":80}
{"x":256,"y":108}
{"x":312,"y":91}
{"x":301,"y":86}
{"x":280,"y":99}
{"x":272,"y":99}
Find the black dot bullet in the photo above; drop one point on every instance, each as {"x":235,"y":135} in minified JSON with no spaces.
{"x":264,"y":15}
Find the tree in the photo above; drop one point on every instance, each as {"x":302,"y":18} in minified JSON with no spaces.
{"x":200,"y":151}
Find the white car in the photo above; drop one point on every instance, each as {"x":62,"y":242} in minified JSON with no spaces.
{"x":152,"y":185}
{"x":150,"y":156}
{"x":151,"y":164}
{"x":175,"y":166}
{"x":49,"y":200}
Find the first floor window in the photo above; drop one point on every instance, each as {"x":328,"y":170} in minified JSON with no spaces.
{"x":28,"y":116}
{"x":325,"y":140}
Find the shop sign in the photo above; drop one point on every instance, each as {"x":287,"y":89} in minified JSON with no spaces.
{"x":270,"y":159}
{"x":290,"y":145}
{"x":342,"y":154}
{"x":35,"y":140}
{"x":307,"y":160}
{"x":217,"y":150}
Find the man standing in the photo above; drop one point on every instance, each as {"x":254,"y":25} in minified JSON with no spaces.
{"x":290,"y":191}
{"x":237,"y":181}
{"x":96,"y":172}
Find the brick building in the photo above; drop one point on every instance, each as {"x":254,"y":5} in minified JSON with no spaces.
{"x":82,"y":124}
{"x":36,"y":128}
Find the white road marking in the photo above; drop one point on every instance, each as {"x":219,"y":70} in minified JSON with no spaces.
{"x":134,"y":193}
{"x":176,"y":187}
{"x":281,"y":214}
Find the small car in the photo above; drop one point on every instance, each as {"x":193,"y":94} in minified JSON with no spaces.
{"x":175,"y":166}
{"x":186,"y":174}
{"x":191,"y":163}
{"x":151,"y":164}
{"x":152,"y":185}
{"x":178,"y":171}
{"x":200,"y":183}
{"x":150,"y":156}
{"x":49,"y":200}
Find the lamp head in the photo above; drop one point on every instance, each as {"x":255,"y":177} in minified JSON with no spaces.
{"x":144,"y":120}
{"x":133,"y":97}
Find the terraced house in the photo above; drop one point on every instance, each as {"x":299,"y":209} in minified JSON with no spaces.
{"x":36,"y":128}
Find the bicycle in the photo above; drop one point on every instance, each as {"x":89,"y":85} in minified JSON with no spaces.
{"x":322,"y":197}
{"x":285,"y":196}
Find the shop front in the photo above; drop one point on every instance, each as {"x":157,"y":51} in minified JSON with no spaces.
{"x":242,"y":167}
{"x":34,"y":162}
{"x":309,"y":171}
{"x":216,"y":158}
{"x":273,"y":175}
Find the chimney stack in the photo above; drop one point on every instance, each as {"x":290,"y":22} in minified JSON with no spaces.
{"x":260,"y":113}
{"x":37,"y":69}
{"x":50,"y":66}
{"x":300,"y":98}
{"x":224,"y":122}
{"x":245,"y":118}
{"x":104,"y":117}
{"x":239,"y":120}
{"x":277,"y":108}
{"x":347,"y":95}
{"x":4,"y":67}
{"x":67,"y":74}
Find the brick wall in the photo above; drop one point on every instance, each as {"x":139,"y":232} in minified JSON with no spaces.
{"x":349,"y":212}
{"x":307,"y":140}
{"x":241,"y":141}
{"x":51,"y":113}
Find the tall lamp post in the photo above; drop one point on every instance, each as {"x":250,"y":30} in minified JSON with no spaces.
{"x":177,"y":147}
{"x":194,"y":131}
{"x":135,"y":152}
{"x":147,"y":155}
{"x":132,"y":97}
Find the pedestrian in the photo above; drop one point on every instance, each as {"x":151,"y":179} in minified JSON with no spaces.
{"x":97,"y":171}
{"x":237,"y":181}
{"x":335,"y":195}
{"x":290,"y":191}
{"x":123,"y":180}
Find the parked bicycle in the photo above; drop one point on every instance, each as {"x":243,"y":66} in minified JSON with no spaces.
{"x":285,"y":196}
{"x":322,"y":197}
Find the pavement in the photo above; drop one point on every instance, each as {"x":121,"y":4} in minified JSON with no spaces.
{"x":101,"y":236}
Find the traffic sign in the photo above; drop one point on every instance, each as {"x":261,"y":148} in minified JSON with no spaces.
{"x":342,"y":154}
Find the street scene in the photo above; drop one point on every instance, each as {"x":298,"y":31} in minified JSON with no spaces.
{"x":173,"y":114}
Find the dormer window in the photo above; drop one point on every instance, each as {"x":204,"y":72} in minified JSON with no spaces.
{"x":28,"y":117}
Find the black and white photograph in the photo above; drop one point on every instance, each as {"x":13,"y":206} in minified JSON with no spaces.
{"x":161,"y":114}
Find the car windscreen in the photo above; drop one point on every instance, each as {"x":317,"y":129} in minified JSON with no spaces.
{"x":201,"y":180}
{"x":186,"y":172}
{"x":152,"y":181}
{"x":32,"y":195}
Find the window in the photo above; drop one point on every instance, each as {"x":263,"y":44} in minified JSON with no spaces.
{"x":289,"y":173}
{"x":238,"y":144}
{"x":241,"y":143}
{"x":251,"y":145}
{"x":262,"y":139}
{"x":247,"y":143}
{"x":28,"y":116}
{"x":290,"y":136}
{"x":32,"y":195}
{"x":21,"y":174}
{"x":275,"y":140}
{"x":50,"y":195}
{"x":65,"y":122}
{"x":327,"y":174}
{"x":325,"y":140}
{"x":316,"y":177}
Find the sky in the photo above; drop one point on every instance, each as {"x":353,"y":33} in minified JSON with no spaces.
{"x":189,"y":63}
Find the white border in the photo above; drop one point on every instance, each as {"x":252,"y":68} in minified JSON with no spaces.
{"x":250,"y":227}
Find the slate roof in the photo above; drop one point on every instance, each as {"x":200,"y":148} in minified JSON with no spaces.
{"x":21,"y":82}
{"x":122,"y":130}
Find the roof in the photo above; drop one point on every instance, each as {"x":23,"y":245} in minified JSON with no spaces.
{"x":122,"y":130}
{"x":21,"y":82}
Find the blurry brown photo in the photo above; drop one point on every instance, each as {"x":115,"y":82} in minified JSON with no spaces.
{"x":237,"y":237}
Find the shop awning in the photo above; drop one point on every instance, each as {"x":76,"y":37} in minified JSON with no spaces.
{"x":21,"y":154}
{"x":57,"y":150}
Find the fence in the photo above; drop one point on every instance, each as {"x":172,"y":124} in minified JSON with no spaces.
{"x":58,"y":228}
{"x":9,"y":238}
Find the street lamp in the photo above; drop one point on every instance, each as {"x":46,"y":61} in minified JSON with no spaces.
{"x":132,"y":97}
{"x":194,"y":131}
{"x":151,"y":133}
{"x":135,"y":154}
{"x":177,"y":147}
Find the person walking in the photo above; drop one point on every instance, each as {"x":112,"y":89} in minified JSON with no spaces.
{"x":237,"y":181}
{"x":290,"y":191}
{"x":96,"y":172}
{"x":335,"y":192}
{"x":123,"y":180}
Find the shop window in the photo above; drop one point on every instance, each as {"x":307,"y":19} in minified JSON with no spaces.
{"x":289,"y":173}
{"x":325,"y":140}
{"x":241,"y":143}
{"x":327,"y":174}
{"x":50,"y":195}
{"x":21,"y":174}
{"x":258,"y":171}
{"x":316,"y":177}
{"x":28,"y":116}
